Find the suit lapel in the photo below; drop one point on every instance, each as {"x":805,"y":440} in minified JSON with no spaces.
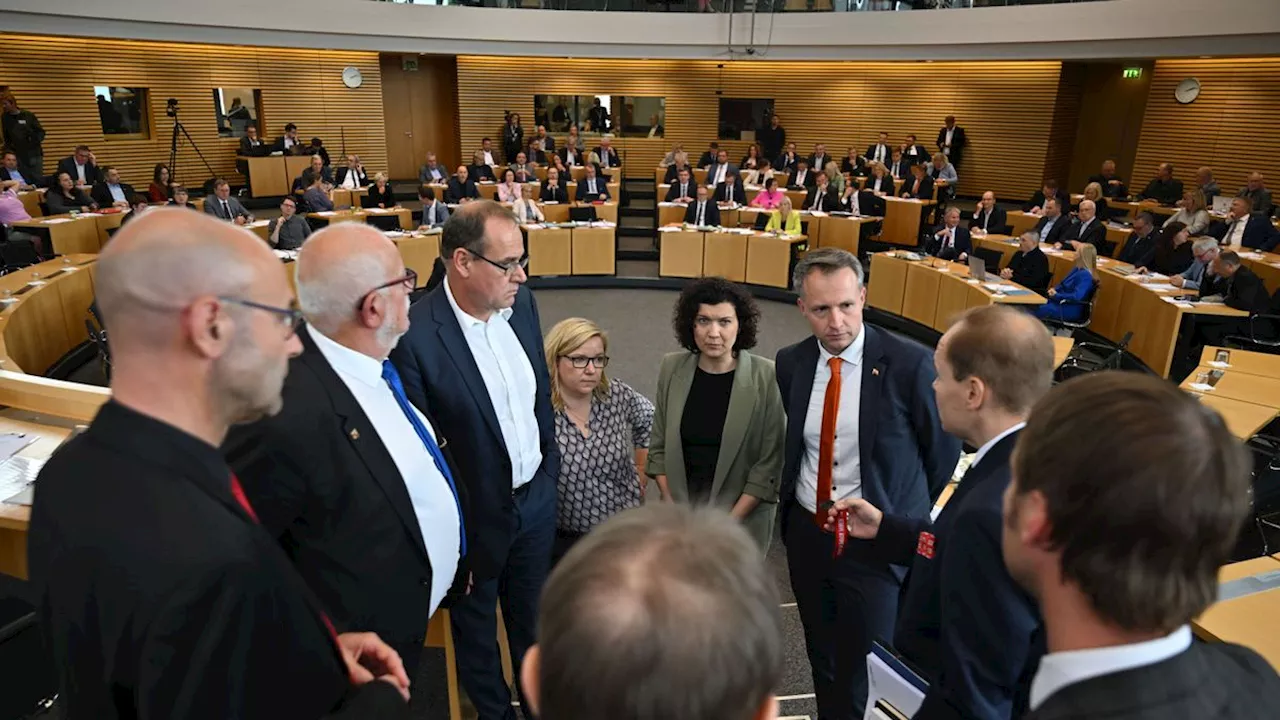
{"x":678,"y":393}
{"x":742,"y":403}
{"x":873,"y":372}
{"x":450,"y":334}
{"x":798,"y":403}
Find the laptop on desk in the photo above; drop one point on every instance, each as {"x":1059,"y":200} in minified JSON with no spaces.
{"x":977,"y":268}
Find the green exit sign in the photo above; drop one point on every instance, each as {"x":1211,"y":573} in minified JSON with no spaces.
{"x":1132,"y":73}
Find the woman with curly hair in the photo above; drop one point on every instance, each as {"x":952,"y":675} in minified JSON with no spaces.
{"x":717,"y":435}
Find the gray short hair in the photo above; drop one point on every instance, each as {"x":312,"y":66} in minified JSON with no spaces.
{"x":1031,"y":234}
{"x":663,"y":611}
{"x":330,"y":294}
{"x":826,"y":260}
{"x":1204,"y":244}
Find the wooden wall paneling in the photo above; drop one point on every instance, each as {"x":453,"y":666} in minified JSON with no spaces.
{"x":1111,"y":114}
{"x":1233,"y":127}
{"x":54,"y":78}
{"x":1066,"y":118}
{"x":1006,"y":108}
{"x":421,"y":109}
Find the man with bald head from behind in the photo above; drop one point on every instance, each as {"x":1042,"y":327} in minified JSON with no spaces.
{"x":160,"y":596}
{"x":351,"y":480}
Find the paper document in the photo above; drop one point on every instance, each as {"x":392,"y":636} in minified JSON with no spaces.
{"x":259,"y":223}
{"x":326,"y":213}
{"x":56,"y":221}
{"x":1176,"y":302}
{"x":1201,"y":387}
{"x":888,"y":679}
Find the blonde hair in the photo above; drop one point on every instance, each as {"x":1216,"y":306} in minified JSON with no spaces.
{"x":380,"y":176}
{"x":1093,"y":191}
{"x":565,"y":337}
{"x":831,"y":169}
{"x":477,"y":157}
{"x":877,"y":165}
{"x":785,"y":207}
{"x":1197,"y":200}
{"x":1087,"y":258}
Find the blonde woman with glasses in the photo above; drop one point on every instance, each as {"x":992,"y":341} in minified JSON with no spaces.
{"x":602,"y":428}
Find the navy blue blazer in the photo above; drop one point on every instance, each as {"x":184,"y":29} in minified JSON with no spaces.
{"x":962,"y":244}
{"x":906,"y":457}
{"x":963,"y":621}
{"x":441,"y":378}
{"x":1259,"y":233}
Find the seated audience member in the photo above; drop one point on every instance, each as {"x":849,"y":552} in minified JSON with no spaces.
{"x":731,"y":191}
{"x":1173,"y":254}
{"x":943,"y":175}
{"x":1163,"y":188}
{"x":1257,"y":192}
{"x":485,"y":155}
{"x":290,"y":230}
{"x":1093,"y":192}
{"x":592,"y":188}
{"x":602,"y":429}
{"x":1140,"y":249}
{"x":288,"y":143}
{"x":1208,"y":186}
{"x":555,"y":163}
{"x":670,"y":157}
{"x":1245,"y":228}
{"x":834,"y":177}
{"x":533,"y":155}
{"x":461,"y":188}
{"x":11,"y":211}
{"x":432,"y":171}
{"x":1067,"y":300}
{"x":1035,"y":205}
{"x":1240,"y":288}
{"x":481,"y":171}
{"x":1112,"y":185}
{"x":665,"y":580}
{"x":316,"y":169}
{"x":913,"y":152}
{"x":605,"y":156}
{"x":751,"y":161}
{"x":787,"y":161}
{"x":574,"y":138}
{"x":899,"y":168}
{"x":1089,"y":230}
{"x":82,"y":166}
{"x":803,"y":178}
{"x":525,"y":208}
{"x":225,"y":207}
{"x":158,"y":190}
{"x":137,"y":206}
{"x":709,"y":155}
{"x":784,"y":220}
{"x":1029,"y":267}
{"x":853,"y":164}
{"x":769,"y":197}
{"x":717,"y":171}
{"x":919,"y":186}
{"x":110,"y":191}
{"x":9,"y":170}
{"x":1052,"y":226}
{"x":553,"y":188}
{"x":1120,"y":577}
{"x":880,"y":152}
{"x":523,"y":170}
{"x":508,"y":189}
{"x":380,"y":193}
{"x":819,"y":159}
{"x":353,"y":176}
{"x":546,"y":143}
{"x":318,"y":197}
{"x":987,"y":217}
{"x":65,"y":197}
{"x":571,"y":153}
{"x":851,"y":201}
{"x":880,"y":182}
{"x":1191,"y":212}
{"x":822,"y":197}
{"x":181,"y":198}
{"x":434,"y":212}
{"x":1199,"y":275}
{"x":317,"y":148}
{"x":681,"y":162}
{"x":951,"y":240}
{"x":703,"y":211}
{"x":251,"y":145}
{"x":758,"y":176}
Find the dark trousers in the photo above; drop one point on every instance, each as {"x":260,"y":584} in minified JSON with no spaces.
{"x":564,"y":542}
{"x":845,"y":603}
{"x":475,"y":623}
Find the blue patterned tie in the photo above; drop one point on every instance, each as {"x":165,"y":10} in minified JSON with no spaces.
{"x":397,"y":388}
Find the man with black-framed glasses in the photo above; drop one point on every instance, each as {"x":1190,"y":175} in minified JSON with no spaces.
{"x":474,"y":357}
{"x":352,"y":480}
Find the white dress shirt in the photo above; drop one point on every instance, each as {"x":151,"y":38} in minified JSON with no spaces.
{"x":846,"y":473}
{"x":853,"y":203}
{"x":508,"y":376}
{"x":1235,"y":233}
{"x":719,"y":178}
{"x":1061,"y":669}
{"x":433,"y":501}
{"x":349,"y":182}
{"x":946,"y":144}
{"x":80,"y":174}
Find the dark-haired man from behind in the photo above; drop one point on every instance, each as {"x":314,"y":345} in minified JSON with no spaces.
{"x":963,"y":622}
{"x":1119,"y":577}
{"x":686,"y":585}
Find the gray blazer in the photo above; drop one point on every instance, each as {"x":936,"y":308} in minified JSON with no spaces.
{"x":751,"y":447}
{"x":295,"y":231}
{"x":213,"y":206}
{"x":440,"y":215}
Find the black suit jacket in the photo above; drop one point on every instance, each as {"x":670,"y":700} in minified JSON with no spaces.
{"x":1031,"y":270}
{"x":387,"y":198}
{"x":476,"y":173}
{"x":455,"y":191}
{"x":994,"y":220}
{"x":1245,"y":291}
{"x":559,"y":193}
{"x":1208,"y":680}
{"x":885,"y":185}
{"x":577,"y":158}
{"x":68,"y":165}
{"x":1057,"y":232}
{"x":707,"y":158}
{"x":249,"y":147}
{"x":810,"y":179}
{"x":609,"y":159}
{"x":817,"y":164}
{"x":958,"y":143}
{"x":326,"y":487}
{"x":906,"y":457}
{"x":1037,"y":201}
{"x":440,"y":376}
{"x":962,"y":244}
{"x":963,"y":621}
{"x":1118,"y":190}
{"x":710,"y":217}
{"x":785,"y":163}
{"x":830,"y":200}
{"x":1140,"y":252}
{"x":871,"y":153}
{"x":161,"y":597}
{"x":362,"y":178}
{"x":673,"y":174}
{"x":739,"y":193}
{"x":1095,"y":235}
{"x":673,"y":192}
{"x":102,"y":195}
{"x":924,"y":193}
{"x":297,"y":149}
{"x":1259,"y":233}
{"x":602,"y":190}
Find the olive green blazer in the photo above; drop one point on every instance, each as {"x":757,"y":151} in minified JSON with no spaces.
{"x":751,"y":446}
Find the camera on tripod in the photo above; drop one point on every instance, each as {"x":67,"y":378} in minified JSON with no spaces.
{"x":171,"y":108}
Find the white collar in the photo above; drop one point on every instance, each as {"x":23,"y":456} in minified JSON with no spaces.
{"x":982,"y":451}
{"x":465,"y":319}
{"x":851,"y":354}
{"x":345,"y":360}
{"x":1061,"y":669}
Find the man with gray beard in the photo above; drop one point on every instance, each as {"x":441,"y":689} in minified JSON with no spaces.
{"x":354,"y":482}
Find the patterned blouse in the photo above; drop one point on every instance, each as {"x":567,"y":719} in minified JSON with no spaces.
{"x":598,"y":474}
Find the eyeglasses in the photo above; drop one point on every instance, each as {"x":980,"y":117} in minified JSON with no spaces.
{"x":409,"y":280}
{"x":508,"y":268}
{"x":289,"y":317}
{"x":581,"y":361}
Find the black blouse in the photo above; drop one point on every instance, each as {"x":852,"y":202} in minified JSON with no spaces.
{"x":701,"y":428}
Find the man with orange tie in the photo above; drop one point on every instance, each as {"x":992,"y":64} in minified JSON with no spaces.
{"x":862,"y":422}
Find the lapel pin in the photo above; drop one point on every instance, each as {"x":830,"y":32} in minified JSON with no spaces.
{"x":874,"y":371}
{"x":355,"y":434}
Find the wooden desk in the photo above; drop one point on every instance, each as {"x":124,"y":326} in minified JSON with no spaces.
{"x":614,"y":188}
{"x":1243,"y":419}
{"x":770,"y":258}
{"x":1251,"y":620}
{"x":1133,"y":208}
{"x":1265,"y":266}
{"x":594,"y":250}
{"x":550,"y":251}
{"x":1020,"y":222}
{"x":268,"y":176}
{"x":1244,"y":361}
{"x":14,"y":519}
{"x":1062,"y":347}
{"x":293,"y":167}
{"x":555,"y":212}
{"x":902,"y":220}
{"x":699,"y":176}
{"x":69,"y":235}
{"x":350,"y":198}
{"x":670,"y":214}
{"x":336,"y":216}
{"x":47,"y":320}
{"x":31,"y":202}
{"x":724,"y":254}
{"x":419,"y":252}
{"x":842,"y":232}
{"x":680,"y":253}
{"x":932,"y":292}
{"x":1240,"y":386}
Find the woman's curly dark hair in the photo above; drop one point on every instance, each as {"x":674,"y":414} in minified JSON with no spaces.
{"x":713,"y":291}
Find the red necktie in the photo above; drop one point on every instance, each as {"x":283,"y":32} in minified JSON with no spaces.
{"x":827,"y":440}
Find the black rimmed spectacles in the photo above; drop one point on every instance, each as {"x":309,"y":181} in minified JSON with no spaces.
{"x":581,"y":361}
{"x":507,"y":268}
{"x":290,"y":317}
{"x":409,"y":280}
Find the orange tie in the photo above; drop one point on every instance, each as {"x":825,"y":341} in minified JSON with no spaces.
{"x":827,"y":440}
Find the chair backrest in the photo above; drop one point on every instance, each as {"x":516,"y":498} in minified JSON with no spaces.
{"x":582,"y":214}
{"x":385,"y":223}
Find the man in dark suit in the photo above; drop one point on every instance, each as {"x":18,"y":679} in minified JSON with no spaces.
{"x":913,"y":152}
{"x":1140,"y":249}
{"x":289,"y":143}
{"x":822,"y":197}
{"x":773,"y":138}
{"x":461,"y":188}
{"x":703,"y":210}
{"x":1029,"y":267}
{"x":890,"y":450}
{"x":987,"y":217}
{"x":951,"y":140}
{"x":720,"y":169}
{"x":786,"y":162}
{"x":1050,"y":190}
{"x":354,"y":483}
{"x":1116,"y":613}
{"x":553,"y":188}
{"x":1164,"y":188}
{"x":709,"y":155}
{"x":898,"y":166}
{"x":1244,"y":228}
{"x":880,"y":152}
{"x":803,"y":178}
{"x":1052,"y":227}
{"x":434,"y":212}
{"x":606,"y":155}
{"x":82,"y":166}
{"x":225,"y":207}
{"x":819,"y":159}
{"x":964,"y":623}
{"x":10,"y":170}
{"x":473,"y":356}
{"x":1112,"y":185}
{"x":598,"y":117}
{"x":1089,"y":230}
{"x":251,"y":145}
{"x":1240,"y":288}
{"x":159,"y":595}
{"x":110,"y":191}
{"x":592,"y":187}
{"x":684,"y":189}
{"x":951,"y":240}
{"x":731,"y":190}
